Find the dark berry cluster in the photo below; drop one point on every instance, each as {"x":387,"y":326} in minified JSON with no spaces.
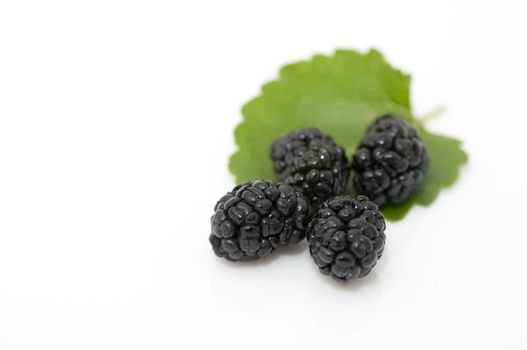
{"x":312,"y":163}
{"x":346,"y":237}
{"x":345,"y":234}
{"x":256,"y":217}
{"x":390,"y":162}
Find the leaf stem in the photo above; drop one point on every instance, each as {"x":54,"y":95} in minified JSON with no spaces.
{"x":436,"y":112}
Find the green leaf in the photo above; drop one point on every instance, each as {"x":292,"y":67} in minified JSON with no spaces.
{"x":341,"y":95}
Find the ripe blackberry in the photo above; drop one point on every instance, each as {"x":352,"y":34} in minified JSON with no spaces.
{"x":390,"y":162}
{"x":346,"y":237}
{"x":255,"y":217}
{"x":312,"y":163}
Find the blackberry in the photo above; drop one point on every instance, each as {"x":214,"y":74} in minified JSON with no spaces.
{"x":255,"y":218}
{"x":390,"y":162}
{"x":312,"y":163}
{"x":346,"y":237}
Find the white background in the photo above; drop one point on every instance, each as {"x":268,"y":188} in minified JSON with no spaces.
{"x":116,"y":122}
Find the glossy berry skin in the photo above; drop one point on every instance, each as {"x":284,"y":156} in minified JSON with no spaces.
{"x":390,"y":161}
{"x":253,"y":219}
{"x":312,"y":163}
{"x":346,"y":237}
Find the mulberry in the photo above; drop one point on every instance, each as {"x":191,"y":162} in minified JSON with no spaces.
{"x":255,"y":218}
{"x":346,"y":237}
{"x":390,"y":162}
{"x":312,"y":163}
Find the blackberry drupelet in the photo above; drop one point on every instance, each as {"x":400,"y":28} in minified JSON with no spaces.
{"x":390,"y":162}
{"x":346,"y":237}
{"x":255,"y":217}
{"x":312,"y":163}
